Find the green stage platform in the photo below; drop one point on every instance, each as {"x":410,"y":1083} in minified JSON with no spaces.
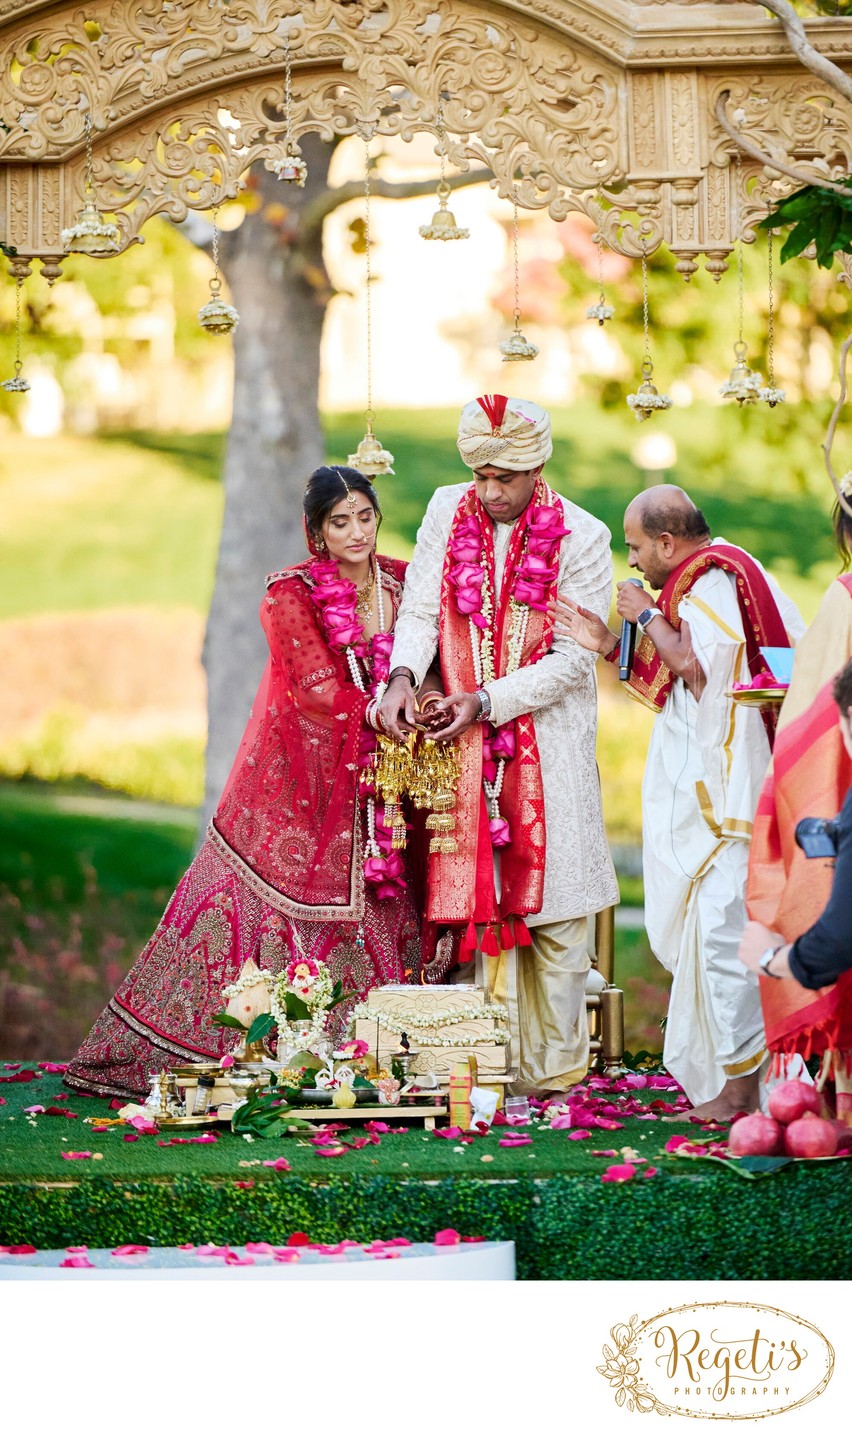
{"x":691,"y":1220}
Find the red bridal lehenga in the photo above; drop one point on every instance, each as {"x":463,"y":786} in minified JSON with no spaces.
{"x":282,"y":868}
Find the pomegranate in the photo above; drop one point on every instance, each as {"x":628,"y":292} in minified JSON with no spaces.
{"x":810,"y":1137}
{"x":792,"y":1100}
{"x":756,"y":1133}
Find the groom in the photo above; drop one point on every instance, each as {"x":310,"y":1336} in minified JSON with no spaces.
{"x":532,"y":862}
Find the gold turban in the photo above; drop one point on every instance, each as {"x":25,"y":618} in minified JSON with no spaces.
{"x":508,"y":433}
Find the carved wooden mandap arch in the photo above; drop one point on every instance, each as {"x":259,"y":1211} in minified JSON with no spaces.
{"x":564,"y":100}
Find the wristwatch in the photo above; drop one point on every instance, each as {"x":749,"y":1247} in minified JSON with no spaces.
{"x":648,"y":614}
{"x":766,"y":959}
{"x":484,"y":705}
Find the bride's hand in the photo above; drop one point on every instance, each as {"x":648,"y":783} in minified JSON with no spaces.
{"x":572,"y":621}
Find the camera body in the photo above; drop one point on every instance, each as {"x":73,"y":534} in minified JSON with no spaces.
{"x":817,"y":838}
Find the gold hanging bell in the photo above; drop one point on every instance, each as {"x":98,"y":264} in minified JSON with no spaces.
{"x":291,"y":168}
{"x":518,"y":347}
{"x":91,"y":234}
{"x":370,"y":458}
{"x":217,"y":317}
{"x":443,"y":223}
{"x":744,"y":384}
{"x":647,"y":399}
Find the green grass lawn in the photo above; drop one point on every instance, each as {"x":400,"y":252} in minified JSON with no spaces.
{"x":134,"y":518}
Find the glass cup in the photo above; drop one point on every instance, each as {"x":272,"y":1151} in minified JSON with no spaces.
{"x":517,"y":1108}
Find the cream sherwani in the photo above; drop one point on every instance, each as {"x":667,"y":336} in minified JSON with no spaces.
{"x":544,"y":987}
{"x":706,"y":763}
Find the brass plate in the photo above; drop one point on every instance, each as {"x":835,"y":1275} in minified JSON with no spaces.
{"x":753,"y":698}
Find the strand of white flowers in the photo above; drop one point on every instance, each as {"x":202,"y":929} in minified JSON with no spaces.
{"x":414,"y":1021}
{"x":497,"y":1036}
{"x":248,"y":982}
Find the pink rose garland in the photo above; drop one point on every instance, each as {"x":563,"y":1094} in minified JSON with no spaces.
{"x":336,"y":598}
{"x":531,"y":582}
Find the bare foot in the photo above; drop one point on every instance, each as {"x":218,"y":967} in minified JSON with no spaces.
{"x":740,"y":1095}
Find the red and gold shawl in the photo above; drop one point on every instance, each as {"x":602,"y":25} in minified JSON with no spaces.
{"x":288,"y":818}
{"x":651,"y":679}
{"x":461,"y":885}
{"x":810,"y":775}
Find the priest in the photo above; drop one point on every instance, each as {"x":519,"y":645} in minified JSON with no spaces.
{"x":708,"y":755}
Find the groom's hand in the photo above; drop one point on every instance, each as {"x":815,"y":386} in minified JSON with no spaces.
{"x":460,"y":711}
{"x":398,"y":711}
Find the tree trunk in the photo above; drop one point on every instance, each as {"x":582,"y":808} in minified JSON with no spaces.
{"x":277,"y":282}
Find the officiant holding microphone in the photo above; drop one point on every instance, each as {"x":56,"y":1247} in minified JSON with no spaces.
{"x":707,"y":758}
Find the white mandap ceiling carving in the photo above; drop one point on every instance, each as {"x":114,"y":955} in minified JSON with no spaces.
{"x":568,"y":104}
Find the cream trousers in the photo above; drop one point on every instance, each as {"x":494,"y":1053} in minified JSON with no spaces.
{"x":544,"y":988}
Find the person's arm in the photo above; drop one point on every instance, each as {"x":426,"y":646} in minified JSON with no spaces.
{"x":821,"y":955}
{"x":674,"y":646}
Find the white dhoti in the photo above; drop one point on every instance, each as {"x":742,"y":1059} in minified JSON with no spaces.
{"x":706,"y":763}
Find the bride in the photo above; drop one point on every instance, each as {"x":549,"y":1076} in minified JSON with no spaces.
{"x":283,"y":870}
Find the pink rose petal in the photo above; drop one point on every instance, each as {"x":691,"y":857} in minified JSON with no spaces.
{"x":446,"y":1238}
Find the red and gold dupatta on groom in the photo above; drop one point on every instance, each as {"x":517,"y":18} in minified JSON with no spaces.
{"x":481,"y":634}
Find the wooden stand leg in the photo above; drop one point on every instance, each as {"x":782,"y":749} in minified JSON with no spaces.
{"x":612,"y":1031}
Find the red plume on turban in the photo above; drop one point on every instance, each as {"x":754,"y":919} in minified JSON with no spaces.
{"x":494,"y":406}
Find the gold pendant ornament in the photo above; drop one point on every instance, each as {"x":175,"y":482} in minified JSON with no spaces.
{"x":601,"y":311}
{"x":443,"y":223}
{"x":291,"y":168}
{"x":771,"y":395}
{"x":517,"y":346}
{"x":217,"y":317}
{"x":647,"y":400}
{"x":371,"y":458}
{"x":745,"y":385}
{"x":17,"y":384}
{"x":91,"y":234}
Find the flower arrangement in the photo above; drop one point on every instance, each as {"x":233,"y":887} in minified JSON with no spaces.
{"x":302,"y":998}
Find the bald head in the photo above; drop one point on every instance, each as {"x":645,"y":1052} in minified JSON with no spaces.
{"x":662,"y":527}
{"x":668,"y":509}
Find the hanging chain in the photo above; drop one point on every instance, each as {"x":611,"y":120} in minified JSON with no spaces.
{"x":600,"y":265}
{"x":647,"y":366}
{"x":18,"y":361}
{"x":770,"y":327}
{"x":288,"y":94}
{"x":215,"y":283}
{"x":442,"y":141}
{"x":739,"y":347}
{"x":515,"y":259}
{"x":368,"y":243}
{"x":90,"y":158}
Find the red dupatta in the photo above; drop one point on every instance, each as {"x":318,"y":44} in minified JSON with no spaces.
{"x":461,"y":885}
{"x":651,"y":680}
{"x":810,"y":775}
{"x":287,"y":821}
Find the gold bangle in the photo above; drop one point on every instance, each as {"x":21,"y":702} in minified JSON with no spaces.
{"x":424,"y":699}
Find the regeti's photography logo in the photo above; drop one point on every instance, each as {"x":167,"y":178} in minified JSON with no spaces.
{"x":717,"y":1360}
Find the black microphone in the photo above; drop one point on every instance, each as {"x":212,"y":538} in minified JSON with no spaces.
{"x":627,"y":644}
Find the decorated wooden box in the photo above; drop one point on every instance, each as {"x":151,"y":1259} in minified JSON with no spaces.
{"x":444,"y":1023}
